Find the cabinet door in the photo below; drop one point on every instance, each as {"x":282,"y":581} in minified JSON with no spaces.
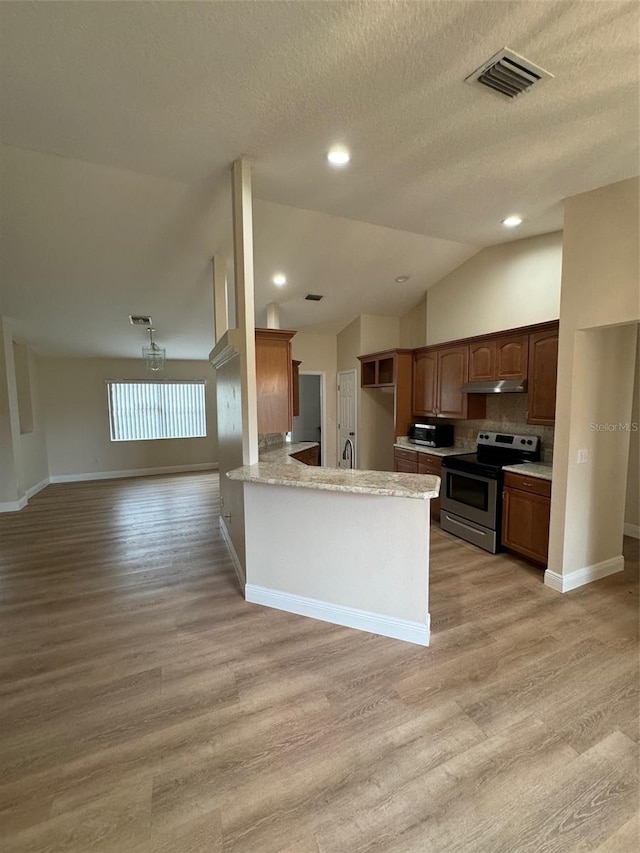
{"x":273,"y":381}
{"x":543,"y":370}
{"x":404,"y":466}
{"x":453,"y":372}
{"x":525,"y":524}
{"x":431,"y":465}
{"x":295,"y":387}
{"x":512,"y":357}
{"x":482,"y":361}
{"x":425,"y":382}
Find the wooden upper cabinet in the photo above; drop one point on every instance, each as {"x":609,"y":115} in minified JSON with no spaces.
{"x":385,"y":369}
{"x":512,"y":357}
{"x":438,"y":375}
{"x":502,"y":357}
{"x":453,"y":372}
{"x":391,"y":370}
{"x":543,"y":371}
{"x":425,"y":382}
{"x":482,"y":361}
{"x":295,"y":387}
{"x":274,"y":371}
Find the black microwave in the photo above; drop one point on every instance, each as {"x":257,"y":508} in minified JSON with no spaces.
{"x":431,"y":435}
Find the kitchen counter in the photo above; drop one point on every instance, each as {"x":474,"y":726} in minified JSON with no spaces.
{"x":404,"y":444}
{"x":337,"y":544}
{"x":387,"y":483}
{"x":281,"y":454}
{"x":541,"y":470}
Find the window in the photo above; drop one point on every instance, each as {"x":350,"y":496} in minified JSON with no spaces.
{"x":147,"y":410}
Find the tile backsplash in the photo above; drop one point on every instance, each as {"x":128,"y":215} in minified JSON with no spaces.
{"x":269,"y":439}
{"x":505,"y":413}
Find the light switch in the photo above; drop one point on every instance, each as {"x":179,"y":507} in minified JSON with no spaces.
{"x":583,"y":455}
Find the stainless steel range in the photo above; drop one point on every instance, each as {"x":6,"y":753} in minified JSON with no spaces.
{"x":471,"y":489}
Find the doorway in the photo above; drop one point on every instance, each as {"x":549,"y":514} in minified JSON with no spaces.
{"x":309,"y":424}
{"x":347,"y":418}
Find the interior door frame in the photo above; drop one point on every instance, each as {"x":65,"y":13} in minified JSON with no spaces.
{"x":356,"y":385}
{"x":323,"y":410}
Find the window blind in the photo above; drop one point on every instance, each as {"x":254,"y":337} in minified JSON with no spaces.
{"x":139,"y":411}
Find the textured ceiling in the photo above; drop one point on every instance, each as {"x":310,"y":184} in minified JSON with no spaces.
{"x":163,"y":96}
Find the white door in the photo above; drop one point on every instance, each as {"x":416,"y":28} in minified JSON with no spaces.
{"x":347,"y":391}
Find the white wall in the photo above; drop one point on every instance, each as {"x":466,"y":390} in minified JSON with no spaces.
{"x":11,"y":476}
{"x":632,"y":505}
{"x":230,"y":445}
{"x":596,"y":365}
{"x":76,"y":410}
{"x":320,"y":353}
{"x":502,"y":287}
{"x":370,"y":553}
{"x":374,"y":440}
{"x":413,"y":326}
{"x":33,"y":444}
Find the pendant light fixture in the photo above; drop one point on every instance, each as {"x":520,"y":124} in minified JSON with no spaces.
{"x":153,"y":355}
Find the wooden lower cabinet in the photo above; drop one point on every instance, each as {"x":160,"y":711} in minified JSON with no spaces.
{"x":428,"y":464}
{"x":414,"y":462}
{"x":310,"y":456}
{"x":526,"y":508}
{"x":405,"y":461}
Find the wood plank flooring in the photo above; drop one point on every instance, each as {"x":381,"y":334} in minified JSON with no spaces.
{"x":146,"y":708}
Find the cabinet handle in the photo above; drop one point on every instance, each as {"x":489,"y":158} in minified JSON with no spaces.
{"x":524,"y":483}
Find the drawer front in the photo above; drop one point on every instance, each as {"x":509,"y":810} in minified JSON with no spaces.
{"x":429,"y":465}
{"x":407,"y":455}
{"x":525,"y":483}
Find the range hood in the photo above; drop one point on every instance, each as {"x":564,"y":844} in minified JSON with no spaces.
{"x":496,"y":386}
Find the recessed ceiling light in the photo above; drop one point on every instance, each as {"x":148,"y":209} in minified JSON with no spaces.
{"x":402,"y":278}
{"x":338,"y":156}
{"x":279,"y":280}
{"x":512,"y":221}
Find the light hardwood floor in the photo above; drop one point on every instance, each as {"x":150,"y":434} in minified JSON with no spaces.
{"x":146,"y":708}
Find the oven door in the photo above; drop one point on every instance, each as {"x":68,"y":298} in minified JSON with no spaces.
{"x":470,"y":496}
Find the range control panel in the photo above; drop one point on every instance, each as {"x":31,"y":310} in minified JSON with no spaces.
{"x":514,"y":442}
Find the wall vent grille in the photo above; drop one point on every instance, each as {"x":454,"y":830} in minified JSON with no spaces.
{"x":508,"y":74}
{"x":313,"y":297}
{"x":139,"y":320}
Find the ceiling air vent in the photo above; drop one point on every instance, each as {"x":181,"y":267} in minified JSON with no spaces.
{"x":508,"y":73}
{"x":139,"y":320}
{"x":313,"y":297}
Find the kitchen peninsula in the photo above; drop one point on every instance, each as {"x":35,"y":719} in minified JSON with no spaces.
{"x":344,"y":546}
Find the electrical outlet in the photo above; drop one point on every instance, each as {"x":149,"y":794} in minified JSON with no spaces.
{"x":583,"y":455}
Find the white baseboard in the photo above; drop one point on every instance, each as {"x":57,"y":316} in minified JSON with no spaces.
{"x":37,"y":488}
{"x":572,"y":580}
{"x":13,"y":506}
{"x":632,"y":530}
{"x":132,"y":472}
{"x":350,"y":617}
{"x":237,"y":565}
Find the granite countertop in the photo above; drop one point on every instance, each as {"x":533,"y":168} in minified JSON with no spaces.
{"x":403,"y":443}
{"x":541,"y":470}
{"x":416,"y":486}
{"x":281,"y":453}
{"x":276,"y":467}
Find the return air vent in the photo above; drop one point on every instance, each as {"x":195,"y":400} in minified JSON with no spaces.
{"x":313,"y":297}
{"x":139,"y":320}
{"x":508,"y":74}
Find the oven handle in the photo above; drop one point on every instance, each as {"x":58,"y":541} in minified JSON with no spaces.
{"x":466,"y":526}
